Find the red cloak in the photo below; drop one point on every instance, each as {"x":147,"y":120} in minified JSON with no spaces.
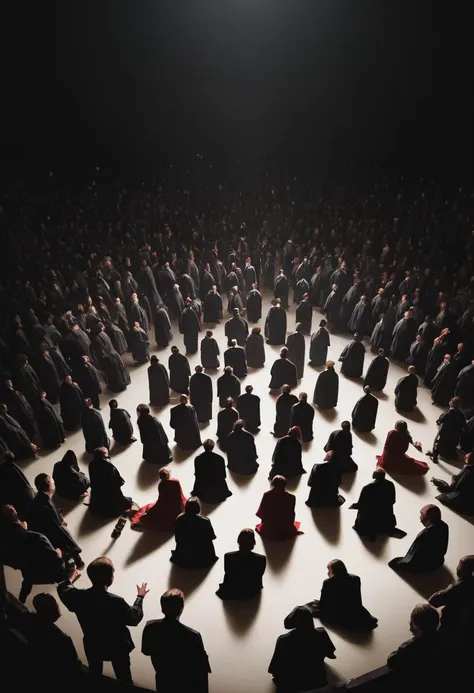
{"x":394,"y":458}
{"x":162,"y":514}
{"x":277,"y":512}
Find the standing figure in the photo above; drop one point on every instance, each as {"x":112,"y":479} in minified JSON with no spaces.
{"x":429,"y":548}
{"x":139,"y":342}
{"x":161,"y":514}
{"x":71,"y":402}
{"x":180,"y":371}
{"x":255,"y":349}
{"x":304,"y":315}
{"x":194,"y":536}
{"x":236,"y":328}
{"x":212,"y":306}
{"x":277,"y":512}
{"x":162,"y":323}
{"x":352,"y":357}
{"x":184,"y":421}
{"x":121,"y":424}
{"x":403,"y":336}
{"x":235,"y":357}
{"x":200,"y":394}
{"x":394,"y":458}
{"x":189,"y":326}
{"x":296,"y":345}
{"x":287,"y":456}
{"x":320,"y":342}
{"x":275,"y":324}
{"x":209,"y":352}
{"x":228,"y":385}
{"x":93,"y":428}
{"x":153,"y":437}
{"x":158,"y":383}
{"x":248,"y":406}
{"x":326,"y":390}
{"x":254,"y":304}
{"x":210,"y":484}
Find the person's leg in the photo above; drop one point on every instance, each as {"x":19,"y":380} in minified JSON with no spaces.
{"x":95,"y":664}
{"x":121,"y":667}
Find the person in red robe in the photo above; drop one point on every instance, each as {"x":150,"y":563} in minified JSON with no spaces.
{"x":161,"y":514}
{"x":277,"y":512}
{"x":394,"y":458}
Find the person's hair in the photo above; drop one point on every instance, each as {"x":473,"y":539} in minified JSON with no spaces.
{"x":278,"y":481}
{"x":198,"y":369}
{"x":143,"y":409}
{"x":183,"y":399}
{"x":401,"y":426}
{"x":338,"y":567}
{"x":366,"y":389}
{"x":285,"y":389}
{"x":228,"y":369}
{"x":303,"y":397}
{"x":381,"y":352}
{"x":295,"y":432}
{"x":233,"y":342}
{"x":283,"y":353}
{"x":256,"y":330}
{"x":246,"y":539}
{"x":208,"y":444}
{"x":239,"y":425}
{"x":46,"y":607}
{"x":164,"y":473}
{"x":42,"y":482}
{"x":229,"y":403}
{"x":172,"y":602}
{"x":208,"y":333}
{"x":411,"y":369}
{"x":174,"y":349}
{"x":193,"y":506}
{"x":101,"y":572}
{"x":322,"y":323}
{"x":345,"y":425}
{"x":425,"y":617}
{"x":379,"y":474}
{"x":466,"y":567}
{"x":101,"y":452}
{"x":432,"y":513}
{"x":154,"y":358}
{"x":113,"y":404}
{"x":249,"y":388}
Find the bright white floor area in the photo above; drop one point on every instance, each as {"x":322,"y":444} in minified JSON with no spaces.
{"x":240,"y":638}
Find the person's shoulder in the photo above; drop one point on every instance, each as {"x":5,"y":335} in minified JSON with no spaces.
{"x":154,"y":624}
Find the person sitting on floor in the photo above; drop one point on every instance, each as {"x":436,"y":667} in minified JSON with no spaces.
{"x":324,"y":482}
{"x":210,"y":484}
{"x":241,"y":450}
{"x":161,"y":514}
{"x":107,"y":499}
{"x":302,"y":416}
{"x":243,"y":570}
{"x":226,"y":419}
{"x":456,"y":598}
{"x":394,"y":458}
{"x":429,"y":548}
{"x":459,"y":494}
{"x":121,"y":424}
{"x":287,"y":456}
{"x":277,"y":512}
{"x":451,"y":427}
{"x":71,"y":482}
{"x":340,"y":446}
{"x":364,"y":414}
{"x":375,"y":508}
{"x":194,"y":536}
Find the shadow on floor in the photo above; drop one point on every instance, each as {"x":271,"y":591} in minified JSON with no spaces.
{"x":347,"y":481}
{"x":428,"y":584}
{"x":380,"y":395}
{"x":328,"y":523}
{"x":180,"y":455}
{"x":85,"y":457}
{"x":293,"y":483}
{"x":415,"y":415}
{"x":416,"y":484}
{"x":147,"y":542}
{"x":369,"y":438}
{"x":91,"y":523}
{"x":328,"y":414}
{"x":64,"y":505}
{"x":356,"y":637}
{"x":378,"y":547}
{"x":147,"y":475}
{"x":240,"y":615}
{"x":208,"y":508}
{"x":278,"y":553}
{"x":241,"y":480}
{"x":186,"y":580}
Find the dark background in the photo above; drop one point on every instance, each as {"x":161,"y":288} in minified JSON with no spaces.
{"x":136,"y":81}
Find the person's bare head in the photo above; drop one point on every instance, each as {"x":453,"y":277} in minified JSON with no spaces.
{"x":46,"y":607}
{"x":430,"y":515}
{"x":183,"y":399}
{"x":424,"y":619}
{"x":44,"y":484}
{"x":101,"y":572}
{"x":172,"y":603}
{"x":303,"y":397}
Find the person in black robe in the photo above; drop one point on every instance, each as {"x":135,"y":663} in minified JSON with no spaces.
{"x":184,"y":421}
{"x":284,"y":408}
{"x":210,"y":484}
{"x":429,"y":548}
{"x":304,"y":315}
{"x":121,"y":425}
{"x":464,"y":387}
{"x":226,"y":419}
{"x":71,"y":401}
{"x":248,"y":406}
{"x":209,"y":352}
{"x":255,"y":349}
{"x":153,"y":437}
{"x":348,"y":303}
{"x":236,"y":328}
{"x":15,"y":437}
{"x":364,"y":414}
{"x":352,"y":358}
{"x":375,"y":508}
{"x":254,"y":304}
{"x":360,"y":318}
{"x":406,"y":391}
{"x":139,"y":342}
{"x":403,"y":336}
{"x":281,"y":290}
{"x":275,"y":324}
{"x":189,"y":326}
{"x":456,"y":599}
{"x":241,"y":450}
{"x":302,"y":416}
{"x":228,"y":386}
{"x":48,"y":376}
{"x":45,"y":518}
{"x":50,"y":424}
{"x":418,"y":355}
{"x":20,"y":409}
{"x":283,"y":372}
{"x":287,"y":456}
{"x":15,"y":489}
{"x":60,"y":362}
{"x":243,"y":570}
{"x":332,"y":306}
{"x":235,"y":357}
{"x":93,"y":428}
{"x":377,"y":372}
{"x":180,"y":371}
{"x":212,"y":304}
{"x":101,"y":345}
{"x":88,"y":379}
{"x":70,"y":482}
{"x":297,"y":663}
{"x":444,"y":382}
{"x":324,"y":482}
{"x":467,"y":439}
{"x":106,"y":496}
{"x":340,"y":603}
{"x":235,"y":301}
{"x":435,"y":357}
{"x":459,"y":494}
{"x":326,"y":390}
{"x":158,"y":383}
{"x":137,"y":314}
{"x":117,"y":376}
{"x":451,"y":426}
{"x":28,"y":381}
{"x":117,"y":337}
{"x":339,"y":448}
{"x":194,"y":536}
{"x":320,"y":342}
{"x":296,"y":345}
{"x":200,"y":394}
{"x":162,"y":324}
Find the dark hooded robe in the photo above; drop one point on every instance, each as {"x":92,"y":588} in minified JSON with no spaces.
{"x":277,"y":514}
{"x":226,"y":419}
{"x":29,"y":383}
{"x":406,"y":392}
{"x":332,"y":307}
{"x":318,"y":349}
{"x":375,"y":509}
{"x":254,"y":305}
{"x":212,"y":305}
{"x":194,"y":536}
{"x":189,"y":326}
{"x":45,"y":519}
{"x":459,"y":494}
{"x":154,"y":440}
{"x":304,"y":315}
{"x":15,"y":489}
{"x":467,"y":438}
{"x":93,"y":429}
{"x":228,"y":385}
{"x":208,"y":281}
{"x":184,"y":421}
{"x":248,"y":406}
{"x":444,"y":384}
{"x":377,"y":373}
{"x":118,"y":339}
{"x":21,"y":410}
{"x":360,"y":319}
{"x":464,"y":387}
{"x":364,"y":414}
{"x":287,"y":458}
{"x":236,"y":328}
{"x":121,"y":425}
{"x":106,"y":497}
{"x":235,"y":357}
{"x":340,"y":445}
{"x":180,"y":372}
{"x":302,"y":415}
{"x":209,"y":353}
{"x":116,"y":375}
{"x":255,"y":350}
{"x":427,"y":551}
{"x":71,"y":401}
{"x":210,"y":484}
{"x":49,"y":377}
{"x":348,"y":303}
{"x":451,"y":426}
{"x":418,"y":356}
{"x":241,"y":452}
{"x":352,"y":358}
{"x":200,"y":392}
{"x":296,"y":345}
{"x":284,"y":406}
{"x":87,"y":377}
{"x":381,"y":337}
{"x":324,"y":481}
{"x":403,"y":336}
{"x":340,"y":604}
{"x":15,"y":438}
{"x":50,"y":425}
{"x":139,"y":343}
{"x":326,"y":390}
{"x":163,"y":331}
{"x":70,"y":482}
{"x":283,"y":372}
{"x":60,"y":362}
{"x":243,"y":573}
{"x":158,"y":384}
{"x":282,"y":289}
{"x":434,"y":361}
{"x":101,"y":346}
{"x":275,"y":326}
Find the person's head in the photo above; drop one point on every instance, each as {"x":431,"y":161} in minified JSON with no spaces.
{"x":3,"y":409}
{"x":286,"y":389}
{"x":322,"y":323}
{"x":208,"y":445}
{"x":174,"y":350}
{"x":295,"y":432}
{"x":69,"y":459}
{"x":346,"y":425}
{"x":283,"y":353}
{"x":357,"y":337}
{"x":278,"y":482}
{"x":183,"y":399}
{"x":233,"y":342}
{"x":303,"y":397}
{"x":228,"y":370}
{"x":256,"y":330}
{"x":455,"y":402}
{"x":330,"y":365}
{"x":460,"y":346}
{"x":172,"y":603}
{"x":401,"y":426}
{"x":164,"y":473}
{"x":101,"y":572}
{"x":336,"y":568}
{"x":229,"y":403}
{"x":302,"y":618}
{"x":465,"y":569}
{"x":379,"y":474}
{"x":209,"y":333}
{"x":101,"y":453}
{"x":235,"y":311}
{"x":113,"y":404}
{"x":277,"y":301}
{"x":246,"y":539}
{"x":424,"y":619}
{"x":430,"y":515}
{"x":44,"y":483}
{"x":193,"y":506}
{"x":469,"y":458}
{"x":447,"y":358}
{"x":46,"y":607}
{"x":154,"y":359}
{"x":143,"y":409}
{"x":367,"y":389}
{"x":239,"y":425}
{"x":381,"y":352}
{"x":249,"y":389}
{"x":88,"y":403}
{"x":10,"y":516}
{"x":298,"y":327}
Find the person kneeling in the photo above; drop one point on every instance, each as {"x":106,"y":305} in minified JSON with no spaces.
{"x":277,"y":512}
{"x":243,"y":570}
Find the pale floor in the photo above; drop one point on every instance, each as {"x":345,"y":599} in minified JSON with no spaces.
{"x":240,"y":638}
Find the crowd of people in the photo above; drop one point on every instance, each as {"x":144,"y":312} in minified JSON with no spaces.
{"x":386,"y":262}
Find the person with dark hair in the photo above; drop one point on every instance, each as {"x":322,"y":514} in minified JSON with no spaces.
{"x":319,"y":345}
{"x":277,"y":512}
{"x":284,"y":407}
{"x":20,"y":409}
{"x":15,"y":489}
{"x":162,"y":513}
{"x":212,"y":304}
{"x":116,"y":375}
{"x":228,"y":387}
{"x":352,"y":357}
{"x":106,"y":497}
{"x":326,"y":390}
{"x":210,"y":484}
{"x":255,"y":349}
{"x":339,"y":448}
{"x":297,"y":663}
{"x":226,"y":419}
{"x":283,"y":372}
{"x":451,"y":427}
{"x":296,"y":345}
{"x":121,"y":424}
{"x":194,"y":536}
{"x":104,"y":618}
{"x":340,"y":603}
{"x":248,"y":406}
{"x":88,"y":379}
{"x":200,"y":393}
{"x":209,"y":352}
{"x":153,"y":437}
{"x":302,"y":416}
{"x":15,"y":437}
{"x":375,"y":508}
{"x":428,"y":550}
{"x":189,"y":327}
{"x":45,"y":518}
{"x":50,"y":424}
{"x":158,"y":383}
{"x":324,"y":482}
{"x":377,"y":372}
{"x":444,"y":382}
{"x":162,"y":324}
{"x":71,"y":401}
{"x":236,"y":328}
{"x":70,"y":482}
{"x":364,"y":414}
{"x":304,"y":315}
{"x":459,"y":494}
{"x":275,"y":323}
{"x":93,"y":428}
{"x":177,"y":652}
{"x":184,"y":421}
{"x":406,"y":391}
{"x":413,"y":661}
{"x":456,"y":598}
{"x":243,"y":570}
{"x":287,"y":456}
{"x":281,"y":289}
{"x":235,"y":357}
{"x":179,"y":371}
{"x":241,"y":450}
{"x":394,"y":458}
{"x":253,"y":304}
{"x":360,"y":317}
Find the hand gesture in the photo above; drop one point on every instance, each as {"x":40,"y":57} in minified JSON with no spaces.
{"x":142,"y":590}
{"x":59,"y":552}
{"x":418,"y":446}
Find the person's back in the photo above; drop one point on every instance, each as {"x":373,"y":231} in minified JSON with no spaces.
{"x":457,"y":598}
{"x":243,"y":570}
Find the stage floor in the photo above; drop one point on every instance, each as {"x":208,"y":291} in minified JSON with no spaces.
{"x":240,"y":638}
